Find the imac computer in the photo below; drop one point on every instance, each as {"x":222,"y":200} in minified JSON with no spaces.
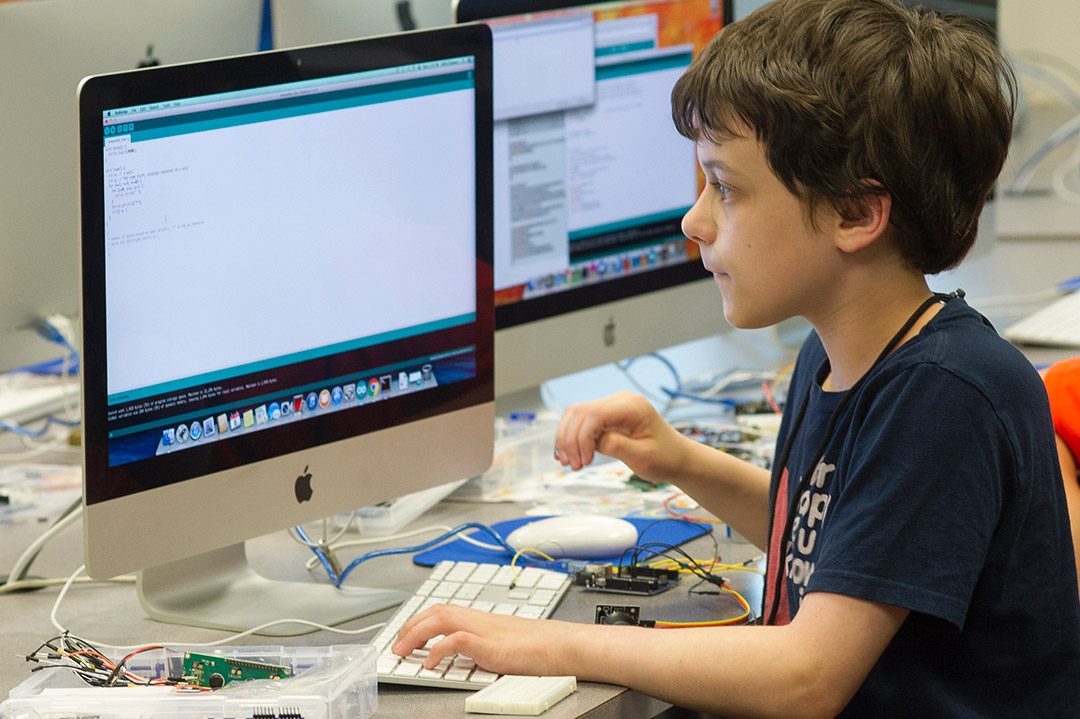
{"x":303,"y":22}
{"x":287,"y":307}
{"x":591,"y":183}
{"x":46,"y":47}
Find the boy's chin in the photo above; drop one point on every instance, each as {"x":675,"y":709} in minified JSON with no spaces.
{"x":741,"y":317}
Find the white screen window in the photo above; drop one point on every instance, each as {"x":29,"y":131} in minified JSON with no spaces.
{"x":366,"y":206}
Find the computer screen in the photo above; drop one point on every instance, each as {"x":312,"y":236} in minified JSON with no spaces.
{"x":591,"y":183}
{"x":287,"y":304}
{"x":46,"y":47}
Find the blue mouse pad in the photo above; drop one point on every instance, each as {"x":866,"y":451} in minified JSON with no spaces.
{"x":663,"y":531}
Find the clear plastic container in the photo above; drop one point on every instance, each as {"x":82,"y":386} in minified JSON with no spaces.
{"x":335,"y":682}
{"x":387,"y":518}
{"x":523,"y":457}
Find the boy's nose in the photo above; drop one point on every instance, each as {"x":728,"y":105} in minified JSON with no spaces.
{"x":697,"y":223}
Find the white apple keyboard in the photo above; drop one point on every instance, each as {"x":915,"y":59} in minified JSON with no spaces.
{"x":1056,"y":325}
{"x":487,"y":587}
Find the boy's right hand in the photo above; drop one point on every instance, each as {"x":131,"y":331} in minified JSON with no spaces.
{"x":624,"y":426}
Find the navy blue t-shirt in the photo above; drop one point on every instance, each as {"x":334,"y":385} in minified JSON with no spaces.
{"x":939,"y":492}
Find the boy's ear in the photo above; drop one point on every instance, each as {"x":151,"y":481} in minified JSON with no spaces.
{"x":867,"y":220}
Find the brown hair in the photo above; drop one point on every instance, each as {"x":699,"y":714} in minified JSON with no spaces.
{"x":855,"y":97}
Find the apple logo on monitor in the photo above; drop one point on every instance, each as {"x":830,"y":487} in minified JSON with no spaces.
{"x":303,"y":486}
{"x":150,"y":60}
{"x":609,"y":332}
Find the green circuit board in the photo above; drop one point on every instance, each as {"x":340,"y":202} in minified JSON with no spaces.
{"x":206,"y":670}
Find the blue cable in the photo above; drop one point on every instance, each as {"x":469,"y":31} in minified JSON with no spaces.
{"x":663,"y":360}
{"x":1070,"y":284}
{"x":27,"y":432}
{"x":675,"y":394}
{"x":58,"y":366}
{"x":339,"y":580}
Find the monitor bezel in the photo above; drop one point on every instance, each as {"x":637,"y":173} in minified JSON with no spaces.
{"x":475,"y":10}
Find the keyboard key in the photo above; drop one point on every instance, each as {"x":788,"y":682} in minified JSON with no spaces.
{"x":550,"y":581}
{"x":386,"y":663}
{"x":529,"y":577}
{"x":441,"y":569}
{"x":530,"y":612}
{"x":484,"y":573}
{"x":503,"y":578}
{"x":457,"y":674}
{"x":469,"y":591}
{"x":461,"y":571}
{"x":408,"y":669}
{"x":482,"y":677}
{"x":541,"y":597}
{"x":445,"y":590}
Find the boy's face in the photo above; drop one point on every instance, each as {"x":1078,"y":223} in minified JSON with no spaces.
{"x":756,"y":238}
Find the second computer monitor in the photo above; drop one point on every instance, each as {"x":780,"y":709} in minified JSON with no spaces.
{"x":591,"y":183}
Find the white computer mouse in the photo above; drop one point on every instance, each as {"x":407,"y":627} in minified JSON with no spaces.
{"x":576,"y":536}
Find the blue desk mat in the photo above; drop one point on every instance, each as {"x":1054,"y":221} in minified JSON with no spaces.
{"x":664,"y":531}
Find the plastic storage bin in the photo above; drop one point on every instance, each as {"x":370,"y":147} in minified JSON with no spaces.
{"x":335,"y":682}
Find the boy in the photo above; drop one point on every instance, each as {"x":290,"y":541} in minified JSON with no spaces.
{"x":919,"y":557}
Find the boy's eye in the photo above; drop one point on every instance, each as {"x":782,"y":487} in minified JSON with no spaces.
{"x":720,"y":189}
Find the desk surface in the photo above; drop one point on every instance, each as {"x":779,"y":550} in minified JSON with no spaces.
{"x":111,"y":613}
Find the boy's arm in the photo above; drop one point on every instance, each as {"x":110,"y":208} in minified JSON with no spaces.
{"x":730,"y":488}
{"x":627,"y":427}
{"x":809,"y":668}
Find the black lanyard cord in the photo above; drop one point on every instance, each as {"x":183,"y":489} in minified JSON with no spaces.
{"x":804,"y":480}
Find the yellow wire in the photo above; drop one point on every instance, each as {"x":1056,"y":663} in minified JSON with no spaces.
{"x":723,"y":622}
{"x":513,"y":561}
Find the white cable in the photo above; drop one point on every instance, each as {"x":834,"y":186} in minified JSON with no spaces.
{"x":28,"y":584}
{"x":1028,"y":298}
{"x":1038,"y":68}
{"x":641,"y":389}
{"x":1023,"y":176}
{"x":231,"y":638}
{"x":1066,"y":169}
{"x":28,"y":556}
{"x":325,"y":542}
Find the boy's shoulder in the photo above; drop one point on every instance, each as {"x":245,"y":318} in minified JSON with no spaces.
{"x":966,"y":371}
{"x":959,"y":342}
